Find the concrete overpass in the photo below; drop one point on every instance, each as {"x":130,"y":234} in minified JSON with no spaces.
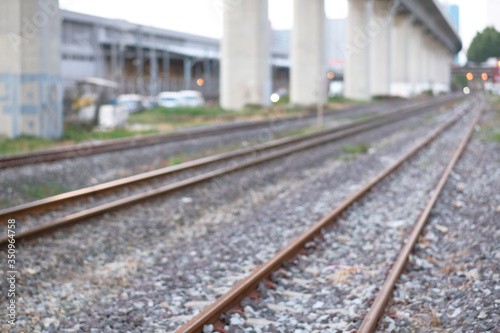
{"x":393,"y":47}
{"x":399,"y":47}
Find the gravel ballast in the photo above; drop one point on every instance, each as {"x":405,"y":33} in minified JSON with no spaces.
{"x":152,"y":267}
{"x":31,"y":182}
{"x":451,"y":283}
{"x":332,"y":288}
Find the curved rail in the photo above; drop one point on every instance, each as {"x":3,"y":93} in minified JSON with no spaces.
{"x":369,"y":324}
{"x":93,"y":147}
{"x":232,"y":298}
{"x":39,"y":206}
{"x":133,"y":199}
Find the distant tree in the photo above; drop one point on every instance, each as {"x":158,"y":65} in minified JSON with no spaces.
{"x":485,"y":45}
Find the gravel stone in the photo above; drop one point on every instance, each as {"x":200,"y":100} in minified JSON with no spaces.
{"x":137,"y":269}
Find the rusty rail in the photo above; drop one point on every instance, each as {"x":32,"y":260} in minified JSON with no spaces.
{"x":91,"y":148}
{"x":127,"y":201}
{"x":232,"y":298}
{"x":39,"y":206}
{"x":369,"y":324}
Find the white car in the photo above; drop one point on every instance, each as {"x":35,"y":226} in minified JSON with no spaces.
{"x":133,"y":103}
{"x":170,"y":99}
{"x":192,"y":98}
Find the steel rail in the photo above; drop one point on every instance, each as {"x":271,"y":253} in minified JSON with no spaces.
{"x":370,"y":322}
{"x":39,"y":206}
{"x":133,"y":199}
{"x":232,"y":298}
{"x":92,"y":147}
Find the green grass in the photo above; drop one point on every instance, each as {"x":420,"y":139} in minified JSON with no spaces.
{"x":430,"y":116}
{"x":163,"y":119}
{"x":429,"y":92}
{"x":285,"y":99}
{"x":491,"y":131}
{"x":83,"y":133}
{"x":23,"y":143}
{"x":178,"y":115}
{"x":362,"y":148}
{"x":41,"y":191}
{"x":343,"y":99}
{"x":494,"y":137}
{"x":72,"y":134}
{"x":360,"y":118}
{"x":302,"y":131}
{"x":174,"y":160}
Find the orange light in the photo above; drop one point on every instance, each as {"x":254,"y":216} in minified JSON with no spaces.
{"x":470,"y":76}
{"x":200,"y":82}
{"x":330,"y":75}
{"x":484,"y":76}
{"x":498,"y":63}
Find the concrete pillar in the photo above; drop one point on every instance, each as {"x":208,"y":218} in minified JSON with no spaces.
{"x":415,"y":57}
{"x":449,"y":59}
{"x":443,"y":68}
{"x":434,"y":69}
{"x":166,"y":70}
{"x":140,"y":61}
{"x":430,"y":61}
{"x":153,"y":69}
{"x":445,"y":61}
{"x":426,"y":61}
{"x":30,"y":80}
{"x":188,"y":64}
{"x":245,"y":70}
{"x":308,"y":72}
{"x":356,"y":51}
{"x":400,"y":56}
{"x":379,"y":48}
{"x":114,"y":62}
{"x":122,"y":49}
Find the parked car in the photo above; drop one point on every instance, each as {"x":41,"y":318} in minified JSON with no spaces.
{"x":133,"y":103}
{"x":149,"y":102}
{"x":169,"y":99}
{"x":192,"y":98}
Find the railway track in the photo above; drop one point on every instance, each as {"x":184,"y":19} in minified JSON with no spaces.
{"x":229,"y":303}
{"x":283,"y":147}
{"x":98,"y":147}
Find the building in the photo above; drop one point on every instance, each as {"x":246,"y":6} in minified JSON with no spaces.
{"x":453,"y":12}
{"x":144,"y":59}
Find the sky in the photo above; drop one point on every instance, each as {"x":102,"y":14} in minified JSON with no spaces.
{"x":203,"y":17}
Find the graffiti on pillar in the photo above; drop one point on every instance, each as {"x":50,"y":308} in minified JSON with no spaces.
{"x":34,"y":102}
{"x":50,"y":115}
{"x":51,"y":106}
{"x":9,"y":99}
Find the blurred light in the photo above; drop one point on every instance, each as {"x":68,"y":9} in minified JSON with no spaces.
{"x":330,"y":75}
{"x":466,"y":90}
{"x":200,"y":82}
{"x":275,"y":98}
{"x":469,"y":76}
{"x":498,"y":63}
{"x":484,"y":76}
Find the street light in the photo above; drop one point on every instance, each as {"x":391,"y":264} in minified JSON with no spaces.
{"x":484,"y":76}
{"x":469,"y":76}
